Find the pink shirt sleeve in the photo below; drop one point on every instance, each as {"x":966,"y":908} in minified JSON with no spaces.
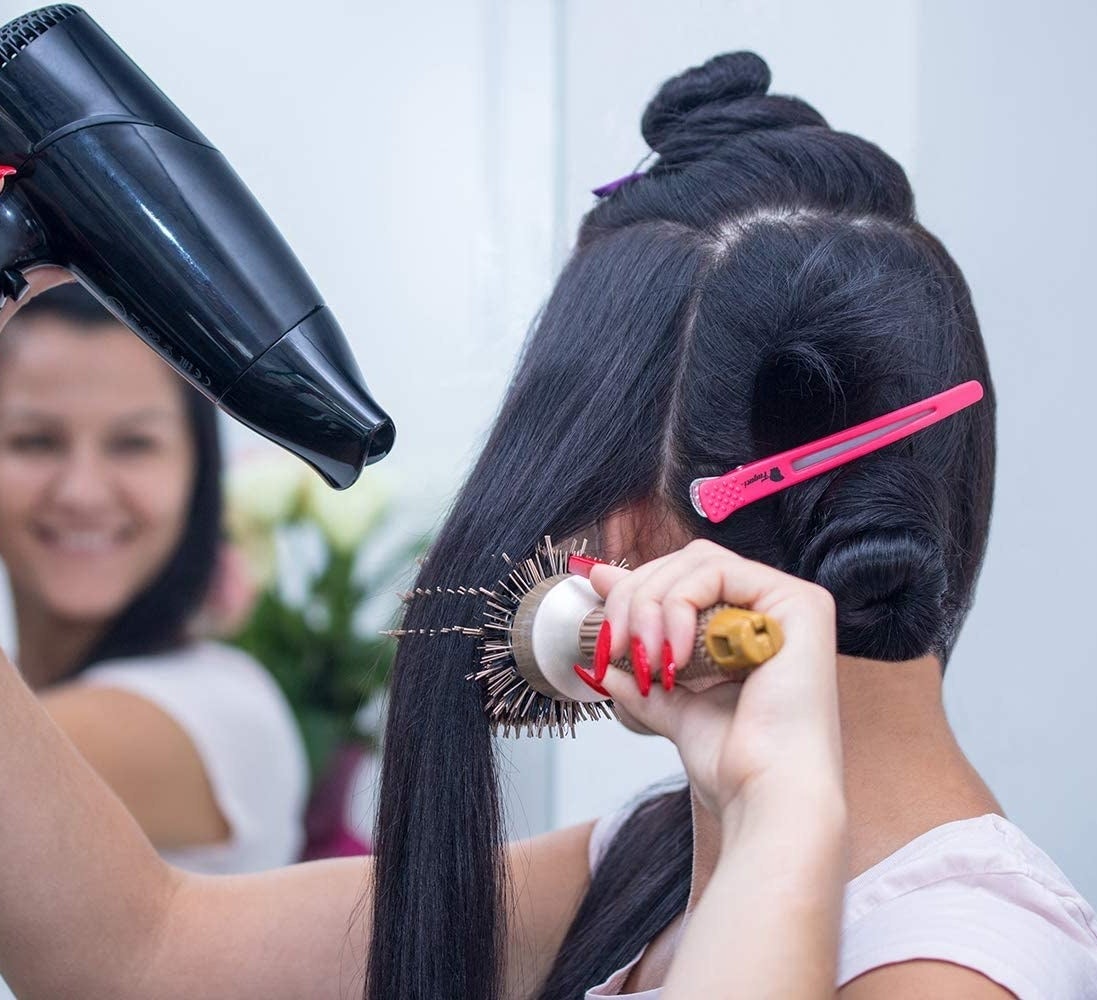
{"x":976,"y":893}
{"x":981,"y":928}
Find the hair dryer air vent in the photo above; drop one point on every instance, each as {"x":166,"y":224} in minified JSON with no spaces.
{"x":18,"y":34}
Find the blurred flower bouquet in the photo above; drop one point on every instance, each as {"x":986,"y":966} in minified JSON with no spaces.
{"x":327,"y":573}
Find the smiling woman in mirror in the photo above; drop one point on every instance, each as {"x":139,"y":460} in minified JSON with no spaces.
{"x":110,"y":532}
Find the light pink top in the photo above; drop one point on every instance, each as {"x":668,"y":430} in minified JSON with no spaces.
{"x":976,"y":893}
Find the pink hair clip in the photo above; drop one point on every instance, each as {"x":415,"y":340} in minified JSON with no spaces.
{"x":716,"y":497}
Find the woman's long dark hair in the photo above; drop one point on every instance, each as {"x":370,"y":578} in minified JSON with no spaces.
{"x":766,"y":282}
{"x":157,"y":617}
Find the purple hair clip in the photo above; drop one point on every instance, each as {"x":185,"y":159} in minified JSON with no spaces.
{"x":607,"y":189}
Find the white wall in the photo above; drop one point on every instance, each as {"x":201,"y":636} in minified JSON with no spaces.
{"x":430,"y":160}
{"x":1006,"y":170}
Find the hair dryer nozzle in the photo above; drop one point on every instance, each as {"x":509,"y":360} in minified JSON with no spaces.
{"x":306,"y":394}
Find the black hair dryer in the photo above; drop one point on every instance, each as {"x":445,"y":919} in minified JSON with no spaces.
{"x":113,"y":183}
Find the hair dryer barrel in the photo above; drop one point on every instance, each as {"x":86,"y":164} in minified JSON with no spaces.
{"x":117,"y":186}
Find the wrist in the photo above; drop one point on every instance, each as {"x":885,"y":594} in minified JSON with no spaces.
{"x":805,"y":808}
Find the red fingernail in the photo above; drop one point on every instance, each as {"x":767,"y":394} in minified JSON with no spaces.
{"x":581,"y":565}
{"x":641,"y":667}
{"x":669,"y":669}
{"x":590,"y":682}
{"x":601,"y":652}
{"x":6,"y":171}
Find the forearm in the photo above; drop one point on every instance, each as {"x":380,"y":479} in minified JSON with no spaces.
{"x":83,"y":896}
{"x":767,"y":923}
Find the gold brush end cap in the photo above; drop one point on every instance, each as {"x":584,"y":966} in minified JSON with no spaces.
{"x":738,"y":639}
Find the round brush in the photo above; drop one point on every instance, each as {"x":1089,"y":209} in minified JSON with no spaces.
{"x":539,"y":621}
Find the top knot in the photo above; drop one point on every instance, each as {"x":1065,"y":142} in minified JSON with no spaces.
{"x":697,"y":110}
{"x":723,"y":78}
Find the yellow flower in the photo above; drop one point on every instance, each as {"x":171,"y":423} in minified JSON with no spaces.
{"x":263,"y":492}
{"x":346,"y":517}
{"x":260,"y":554}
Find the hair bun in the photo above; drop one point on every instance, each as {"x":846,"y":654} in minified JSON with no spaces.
{"x":723,"y":78}
{"x":888,"y":589}
{"x":877,"y":544}
{"x":695,"y":112}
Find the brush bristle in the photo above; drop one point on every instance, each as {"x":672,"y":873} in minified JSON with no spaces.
{"x":512,"y":706}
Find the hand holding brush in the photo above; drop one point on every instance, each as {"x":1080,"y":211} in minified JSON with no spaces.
{"x":543,"y":623}
{"x":727,"y":642}
{"x":728,"y":734}
{"x":763,"y":760}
